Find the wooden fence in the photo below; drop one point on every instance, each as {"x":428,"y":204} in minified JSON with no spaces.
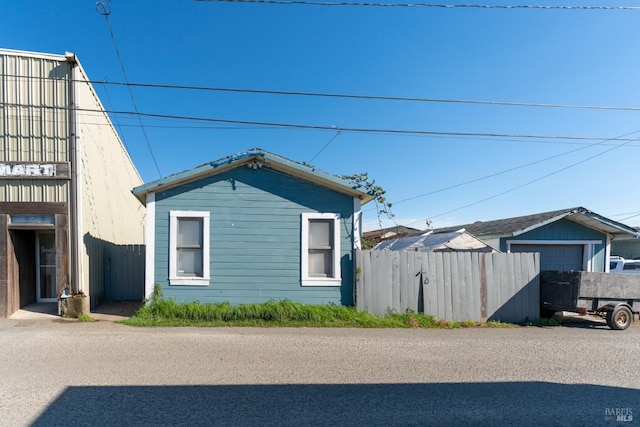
{"x":452,"y":286}
{"x":124,"y":272}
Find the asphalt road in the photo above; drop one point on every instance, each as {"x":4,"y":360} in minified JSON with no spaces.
{"x":91,"y":374}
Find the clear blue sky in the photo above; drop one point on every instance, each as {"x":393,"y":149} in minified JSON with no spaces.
{"x":578,"y":57}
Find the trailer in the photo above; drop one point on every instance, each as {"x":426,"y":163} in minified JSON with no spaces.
{"x":614,"y":297}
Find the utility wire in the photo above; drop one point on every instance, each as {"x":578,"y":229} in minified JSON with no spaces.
{"x":118,"y":125}
{"x":629,"y":217}
{"x":332,"y":128}
{"x":339,"y":131}
{"x":624,"y":213}
{"x":472,"y":181}
{"x":105,"y":10}
{"x":349,"y":96}
{"x":528,"y":182}
{"x":370,"y":97}
{"x":415,"y":5}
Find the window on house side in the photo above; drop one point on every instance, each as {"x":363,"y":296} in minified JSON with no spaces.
{"x":320,"y":250}
{"x":189,"y":248}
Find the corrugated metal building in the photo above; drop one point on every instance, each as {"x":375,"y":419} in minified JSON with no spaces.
{"x":65,"y":183}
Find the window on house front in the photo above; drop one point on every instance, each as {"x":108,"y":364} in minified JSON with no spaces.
{"x":320,"y":250}
{"x":189,"y":248}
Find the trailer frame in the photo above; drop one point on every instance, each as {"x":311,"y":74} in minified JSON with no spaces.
{"x":614,"y":297}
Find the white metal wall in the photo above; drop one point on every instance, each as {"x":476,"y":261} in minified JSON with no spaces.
{"x":111,"y":216}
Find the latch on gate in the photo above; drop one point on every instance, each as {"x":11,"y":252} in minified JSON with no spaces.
{"x":423,"y":277}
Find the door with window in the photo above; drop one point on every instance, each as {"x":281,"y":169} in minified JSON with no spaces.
{"x":46,"y":287}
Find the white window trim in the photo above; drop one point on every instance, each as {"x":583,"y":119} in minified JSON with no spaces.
{"x":150,"y":240}
{"x":336,"y":280}
{"x":357,"y":224}
{"x":174,"y":279}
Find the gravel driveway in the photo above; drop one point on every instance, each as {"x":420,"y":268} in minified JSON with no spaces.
{"x":57,"y":372}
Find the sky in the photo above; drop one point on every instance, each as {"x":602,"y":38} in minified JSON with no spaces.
{"x":463,"y":161}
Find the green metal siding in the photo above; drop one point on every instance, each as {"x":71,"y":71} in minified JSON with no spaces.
{"x":255,"y":233}
{"x":565,"y":229}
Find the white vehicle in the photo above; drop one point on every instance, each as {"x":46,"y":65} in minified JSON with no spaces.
{"x":626,"y":266}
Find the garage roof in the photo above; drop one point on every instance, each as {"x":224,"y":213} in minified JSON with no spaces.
{"x":511,"y":227}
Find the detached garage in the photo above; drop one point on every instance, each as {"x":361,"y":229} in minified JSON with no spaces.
{"x":569,"y":239}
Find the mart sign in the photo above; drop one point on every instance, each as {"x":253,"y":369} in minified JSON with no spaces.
{"x":15,"y":170}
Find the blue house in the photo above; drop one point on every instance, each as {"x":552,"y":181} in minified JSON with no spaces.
{"x":252,"y":227}
{"x":567,"y":239}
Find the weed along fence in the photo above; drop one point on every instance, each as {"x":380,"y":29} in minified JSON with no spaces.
{"x":453,"y":286}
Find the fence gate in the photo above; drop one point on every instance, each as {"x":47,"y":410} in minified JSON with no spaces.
{"x":124,"y":272}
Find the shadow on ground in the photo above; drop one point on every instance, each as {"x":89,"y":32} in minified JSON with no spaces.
{"x":116,"y":310}
{"x":477,"y":404}
{"x":579,"y":321}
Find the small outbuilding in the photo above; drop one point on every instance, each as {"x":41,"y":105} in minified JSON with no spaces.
{"x":252,"y":227}
{"x":569,"y":239}
{"x":436,"y":241}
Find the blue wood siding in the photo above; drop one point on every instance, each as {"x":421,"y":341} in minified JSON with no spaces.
{"x":565,"y":229}
{"x":255,"y":233}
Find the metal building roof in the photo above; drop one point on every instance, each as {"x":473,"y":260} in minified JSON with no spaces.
{"x":430,"y":241}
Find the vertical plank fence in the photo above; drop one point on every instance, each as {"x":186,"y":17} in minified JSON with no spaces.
{"x":124,"y":272}
{"x":453,"y":286}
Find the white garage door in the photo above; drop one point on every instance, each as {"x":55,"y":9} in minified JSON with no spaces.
{"x":555,"y":257}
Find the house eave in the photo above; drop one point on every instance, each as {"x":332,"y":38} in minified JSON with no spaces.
{"x":260,"y":159}
{"x":583,"y":217}
{"x":538,"y":225}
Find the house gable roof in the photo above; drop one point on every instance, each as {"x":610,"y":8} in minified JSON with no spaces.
{"x":511,"y":227}
{"x":254,"y":158}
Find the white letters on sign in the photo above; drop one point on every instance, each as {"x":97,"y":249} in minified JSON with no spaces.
{"x":30,"y":169}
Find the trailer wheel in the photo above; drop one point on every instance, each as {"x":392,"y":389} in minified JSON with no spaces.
{"x":619,"y":318}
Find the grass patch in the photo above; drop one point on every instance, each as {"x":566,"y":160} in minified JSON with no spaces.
{"x":274,"y":313}
{"x":283,"y":313}
{"x":167,"y":312}
{"x":84,"y":317}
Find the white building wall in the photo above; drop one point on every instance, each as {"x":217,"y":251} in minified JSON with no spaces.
{"x":111,"y":215}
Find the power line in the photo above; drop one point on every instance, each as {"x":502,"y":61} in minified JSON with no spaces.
{"x":332,"y":128}
{"x":371,"y":97}
{"x":115,"y":118}
{"x":367,"y":130}
{"x":624,"y":213}
{"x":416,"y":5}
{"x":629,"y":217}
{"x":472,"y":181}
{"x":339,"y":131}
{"x":347,"y":95}
{"x":530,"y":182}
{"x":105,"y":10}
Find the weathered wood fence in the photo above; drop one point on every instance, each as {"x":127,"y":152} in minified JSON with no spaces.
{"x":454,"y":286}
